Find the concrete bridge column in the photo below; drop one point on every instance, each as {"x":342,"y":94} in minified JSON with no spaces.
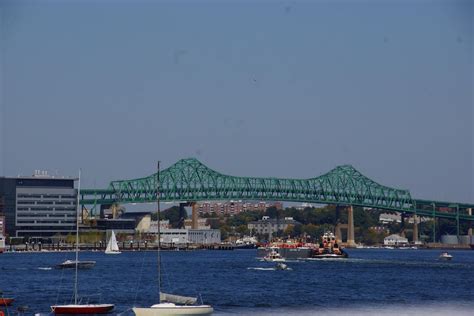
{"x":402,"y":231}
{"x":338,"y":233}
{"x":350,"y":227}
{"x":415,"y":228}
{"x":195,"y":216}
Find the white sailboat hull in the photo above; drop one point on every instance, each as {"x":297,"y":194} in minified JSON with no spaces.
{"x":112,"y":252}
{"x":173,"y":310}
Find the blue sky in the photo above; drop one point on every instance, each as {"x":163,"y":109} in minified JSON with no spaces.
{"x":264,"y":88}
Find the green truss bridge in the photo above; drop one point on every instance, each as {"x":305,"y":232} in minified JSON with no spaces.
{"x":188,"y":180}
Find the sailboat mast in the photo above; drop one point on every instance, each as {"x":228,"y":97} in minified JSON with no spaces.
{"x":159,"y":235}
{"x":77,"y":234}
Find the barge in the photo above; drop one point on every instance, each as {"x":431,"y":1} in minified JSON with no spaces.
{"x":328,"y":248}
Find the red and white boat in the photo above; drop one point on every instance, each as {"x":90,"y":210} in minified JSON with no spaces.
{"x":74,"y":309}
{"x":5,"y":301}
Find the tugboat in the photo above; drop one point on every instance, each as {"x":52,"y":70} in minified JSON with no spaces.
{"x":328,"y":248}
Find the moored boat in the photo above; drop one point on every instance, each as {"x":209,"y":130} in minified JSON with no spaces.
{"x":6,"y":301}
{"x":75,"y":309}
{"x":173,"y":309}
{"x":170,"y":304}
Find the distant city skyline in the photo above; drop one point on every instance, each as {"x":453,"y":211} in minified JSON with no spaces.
{"x":287,"y":89}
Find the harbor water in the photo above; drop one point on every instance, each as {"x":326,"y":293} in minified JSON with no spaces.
{"x":369,"y":282}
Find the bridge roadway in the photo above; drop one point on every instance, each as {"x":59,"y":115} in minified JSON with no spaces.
{"x":188,"y":180}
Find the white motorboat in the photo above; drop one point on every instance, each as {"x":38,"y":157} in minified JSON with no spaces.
{"x":112,"y":246}
{"x":72,"y":264}
{"x":445,"y":256}
{"x":281,"y":266}
{"x":169,"y":304}
{"x":274,"y":256}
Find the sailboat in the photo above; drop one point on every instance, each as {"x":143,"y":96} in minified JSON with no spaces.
{"x":78,"y":308}
{"x":112,"y":246}
{"x":5,"y":301}
{"x":169,"y":304}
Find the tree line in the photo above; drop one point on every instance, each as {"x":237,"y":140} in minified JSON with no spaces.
{"x":314,"y":221}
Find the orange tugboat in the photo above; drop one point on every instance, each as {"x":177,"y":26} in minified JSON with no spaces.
{"x":329,"y":248}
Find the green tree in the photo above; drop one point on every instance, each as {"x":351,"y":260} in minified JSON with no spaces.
{"x":312,"y":231}
{"x":242,"y":230}
{"x":289,"y":231}
{"x":225,"y":232}
{"x":272,"y":212}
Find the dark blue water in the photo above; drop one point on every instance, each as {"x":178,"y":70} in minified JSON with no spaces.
{"x":371,"y":281}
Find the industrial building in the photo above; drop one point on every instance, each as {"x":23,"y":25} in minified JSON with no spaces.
{"x":268,"y":226}
{"x":203,"y":235}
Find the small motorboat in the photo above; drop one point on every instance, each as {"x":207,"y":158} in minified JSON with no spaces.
{"x":281,"y":266}
{"x":85,"y":309}
{"x":445,"y":256}
{"x":273,"y":256}
{"x":71,"y":264}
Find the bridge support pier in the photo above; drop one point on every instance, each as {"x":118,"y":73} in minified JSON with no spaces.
{"x":195,"y":216}
{"x":338,"y":232}
{"x":415,"y":228}
{"x":350,"y":227}
{"x":402,"y":230}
